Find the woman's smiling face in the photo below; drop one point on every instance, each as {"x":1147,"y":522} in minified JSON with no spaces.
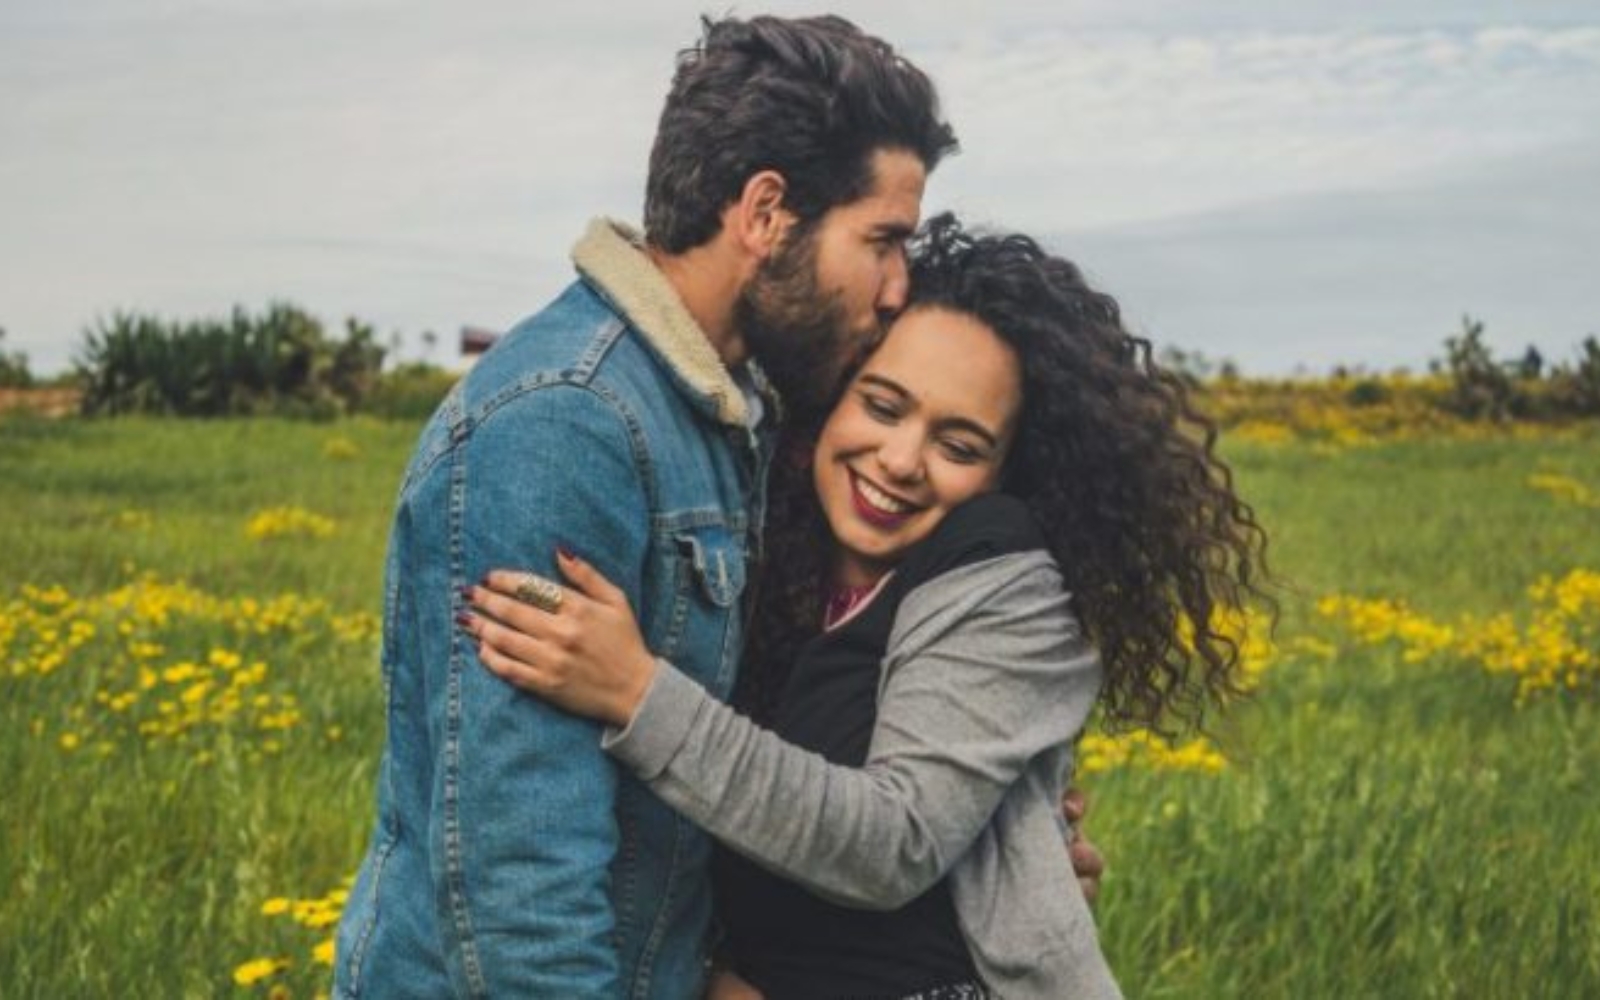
{"x":924,"y":426}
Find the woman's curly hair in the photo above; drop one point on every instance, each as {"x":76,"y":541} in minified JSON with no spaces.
{"x":1117,"y":466}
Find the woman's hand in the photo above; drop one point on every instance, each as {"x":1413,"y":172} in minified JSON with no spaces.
{"x":729,"y":985}
{"x":585,"y":656}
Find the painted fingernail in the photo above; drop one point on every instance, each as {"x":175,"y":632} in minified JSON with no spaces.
{"x":565,"y":552}
{"x":463,"y":619}
{"x":465,"y":592}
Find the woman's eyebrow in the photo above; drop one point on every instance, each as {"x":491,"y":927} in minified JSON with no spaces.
{"x":884,"y":382}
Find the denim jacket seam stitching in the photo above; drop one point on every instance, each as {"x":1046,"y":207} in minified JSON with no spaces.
{"x":606,"y":337}
{"x":455,"y":867}
{"x":637,"y":445}
{"x":455,"y":871}
{"x":627,"y":853}
{"x":658,"y":929}
{"x":423,"y":464}
{"x":682,"y":591}
{"x":708,"y":404}
{"x":693,"y":518}
{"x":725,"y":660}
{"x":359,"y":951}
{"x":525,"y":386}
{"x":579,"y":374}
{"x":631,"y":424}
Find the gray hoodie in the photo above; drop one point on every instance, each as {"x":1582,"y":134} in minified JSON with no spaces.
{"x":986,"y":680}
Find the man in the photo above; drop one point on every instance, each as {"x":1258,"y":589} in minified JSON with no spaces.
{"x":625,"y":423}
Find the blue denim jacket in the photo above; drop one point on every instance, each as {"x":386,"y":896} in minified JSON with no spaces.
{"x":510,"y":857}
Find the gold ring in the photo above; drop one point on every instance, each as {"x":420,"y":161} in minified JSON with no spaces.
{"x":539,"y":592}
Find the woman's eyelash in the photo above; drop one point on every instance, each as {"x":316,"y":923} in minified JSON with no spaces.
{"x":878,"y":407}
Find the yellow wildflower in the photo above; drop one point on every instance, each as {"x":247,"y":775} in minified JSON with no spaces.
{"x":1565,"y":489}
{"x":1145,"y":750}
{"x":340,"y":448}
{"x":257,"y":969}
{"x":287,"y":522}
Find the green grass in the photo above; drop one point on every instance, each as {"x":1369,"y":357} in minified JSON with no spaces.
{"x":1384,"y":829}
{"x":141,"y":873}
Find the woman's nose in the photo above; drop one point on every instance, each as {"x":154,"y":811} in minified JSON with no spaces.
{"x":900,"y":457}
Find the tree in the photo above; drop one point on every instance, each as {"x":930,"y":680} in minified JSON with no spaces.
{"x":1532,"y":364}
{"x":1192,"y":367}
{"x":1576,"y":387}
{"x":14,"y":373}
{"x":1480,"y":388}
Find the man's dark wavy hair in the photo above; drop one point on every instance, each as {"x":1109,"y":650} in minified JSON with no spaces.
{"x":1117,"y":466}
{"x":811,"y":98}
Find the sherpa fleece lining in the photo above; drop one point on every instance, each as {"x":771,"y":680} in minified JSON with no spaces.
{"x":611,"y":255}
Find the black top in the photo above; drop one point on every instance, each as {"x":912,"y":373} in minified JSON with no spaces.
{"x":789,"y":943}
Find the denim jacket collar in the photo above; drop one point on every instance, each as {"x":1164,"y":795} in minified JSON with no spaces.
{"x":610,"y":257}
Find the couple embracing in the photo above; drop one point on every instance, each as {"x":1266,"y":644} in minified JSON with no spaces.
{"x":742,"y":606}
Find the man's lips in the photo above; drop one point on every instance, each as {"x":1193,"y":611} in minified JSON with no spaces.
{"x":873,"y":513}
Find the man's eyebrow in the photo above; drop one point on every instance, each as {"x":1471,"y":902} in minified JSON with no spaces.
{"x":893,"y":230}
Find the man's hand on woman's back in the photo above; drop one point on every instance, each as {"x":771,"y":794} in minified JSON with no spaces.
{"x":729,"y":985}
{"x":1087,"y":862}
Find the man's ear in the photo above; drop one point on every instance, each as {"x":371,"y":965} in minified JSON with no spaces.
{"x":760,"y":218}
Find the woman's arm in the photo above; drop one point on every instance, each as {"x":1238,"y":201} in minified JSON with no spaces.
{"x":985,"y":668}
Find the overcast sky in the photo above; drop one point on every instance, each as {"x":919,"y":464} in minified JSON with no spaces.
{"x":1282,"y":184}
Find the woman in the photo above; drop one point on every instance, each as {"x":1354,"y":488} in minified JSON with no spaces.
{"x":917,"y":670}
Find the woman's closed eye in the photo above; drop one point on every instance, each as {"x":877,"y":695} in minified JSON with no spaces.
{"x":880,"y":408}
{"x":962,"y":452}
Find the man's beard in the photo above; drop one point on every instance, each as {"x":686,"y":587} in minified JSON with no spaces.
{"x":797,"y":332}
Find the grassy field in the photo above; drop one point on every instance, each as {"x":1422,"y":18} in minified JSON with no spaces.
{"x":191,"y":720}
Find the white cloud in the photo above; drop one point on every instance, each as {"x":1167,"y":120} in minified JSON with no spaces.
{"x":1139,"y":126}
{"x":426,"y":166}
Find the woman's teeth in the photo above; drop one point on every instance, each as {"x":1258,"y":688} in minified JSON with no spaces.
{"x":879,"y":499}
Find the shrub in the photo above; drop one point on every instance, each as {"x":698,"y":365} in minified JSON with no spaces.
{"x":1575,"y":389}
{"x":278,"y":362}
{"x":14,"y":373}
{"x":1368,"y":392}
{"x":410,"y":392}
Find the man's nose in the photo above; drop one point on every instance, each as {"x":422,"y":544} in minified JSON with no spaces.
{"x":896,"y":287}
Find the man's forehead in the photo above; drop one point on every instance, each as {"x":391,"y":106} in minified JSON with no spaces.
{"x":895,"y":198}
{"x":898,"y":173}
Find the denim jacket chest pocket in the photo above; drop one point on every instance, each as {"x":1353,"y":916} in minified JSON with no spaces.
{"x":718,"y":562}
{"x":700,"y":634}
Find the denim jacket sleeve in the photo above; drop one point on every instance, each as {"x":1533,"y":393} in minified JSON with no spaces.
{"x":523,"y":825}
{"x":985,"y":670}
